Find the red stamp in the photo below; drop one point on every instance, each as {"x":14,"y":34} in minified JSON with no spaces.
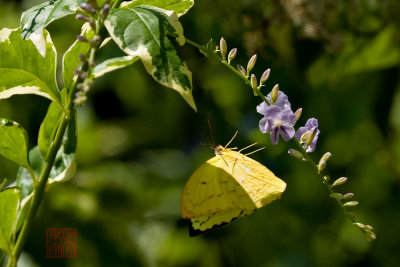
{"x":61,"y":243}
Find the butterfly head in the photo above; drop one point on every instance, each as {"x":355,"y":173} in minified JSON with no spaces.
{"x":218,"y":150}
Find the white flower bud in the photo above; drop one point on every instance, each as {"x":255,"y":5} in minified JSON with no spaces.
{"x":371,"y":236}
{"x":311,"y":137}
{"x":223,"y":48}
{"x":298,"y":113}
{"x":368,"y":227}
{"x":327,"y":178}
{"x":274,"y":93}
{"x":241,"y":70}
{"x":295,"y":153}
{"x":265,"y":76}
{"x":337,"y":196}
{"x":232,"y":54}
{"x":326,"y":157}
{"x":339,"y":181}
{"x":251,"y":63}
{"x":253,"y":81}
{"x":321,"y":166}
{"x":350,"y":204}
{"x":359,"y":225}
{"x":348,"y":196}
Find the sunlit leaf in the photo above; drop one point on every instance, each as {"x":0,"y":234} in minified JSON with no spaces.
{"x":142,"y":31}
{"x":13,"y":142}
{"x":38,"y":17}
{"x":112,"y":64}
{"x":3,"y":183}
{"x":8,"y":211}
{"x":23,"y":70}
{"x":180,"y":7}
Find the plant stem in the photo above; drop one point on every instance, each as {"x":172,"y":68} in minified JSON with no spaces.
{"x":41,"y":183}
{"x":328,"y":186}
{"x":117,"y":3}
{"x":306,"y":156}
{"x":209,"y":52}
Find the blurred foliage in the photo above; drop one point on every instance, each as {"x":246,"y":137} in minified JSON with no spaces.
{"x":139,"y":142}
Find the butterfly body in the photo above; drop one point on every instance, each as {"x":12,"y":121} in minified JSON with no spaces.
{"x":227,"y":186}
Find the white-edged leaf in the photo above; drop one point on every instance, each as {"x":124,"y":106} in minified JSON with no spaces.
{"x":142,"y":31}
{"x":180,"y":7}
{"x":35,"y":19}
{"x":112,"y":64}
{"x":23,"y":70}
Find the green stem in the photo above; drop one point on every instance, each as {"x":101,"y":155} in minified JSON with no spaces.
{"x":39,"y":191}
{"x":117,"y":3}
{"x":41,"y":183}
{"x":324,"y":181}
{"x":209,"y":52}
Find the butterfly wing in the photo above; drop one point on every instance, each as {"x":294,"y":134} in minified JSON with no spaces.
{"x":211,"y":189}
{"x":258,"y":181}
{"x":227,"y":186}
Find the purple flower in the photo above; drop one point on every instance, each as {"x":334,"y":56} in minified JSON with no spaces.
{"x":282,"y":101}
{"x":310,"y":126}
{"x":279,"y":121}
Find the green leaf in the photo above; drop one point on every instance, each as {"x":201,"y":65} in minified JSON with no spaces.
{"x":24,"y":70}
{"x":113,"y":64}
{"x":13,"y":142}
{"x":9,"y":200}
{"x":64,"y":165}
{"x":35,"y":19}
{"x":360,"y":55}
{"x":24,"y":179}
{"x":2,"y":184}
{"x":142,"y":31}
{"x":48,"y":128}
{"x":180,"y":7}
{"x":71,"y":59}
{"x":23,"y":211}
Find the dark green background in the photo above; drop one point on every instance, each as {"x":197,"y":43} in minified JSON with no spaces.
{"x":139,"y":142}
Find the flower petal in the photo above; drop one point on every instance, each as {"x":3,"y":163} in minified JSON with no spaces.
{"x":312,"y":122}
{"x":262,"y":107}
{"x":274,"y":136}
{"x":287,"y":132}
{"x":288,"y":117}
{"x":263,"y":124}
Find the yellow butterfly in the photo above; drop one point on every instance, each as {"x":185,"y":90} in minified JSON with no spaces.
{"x":225,"y":187}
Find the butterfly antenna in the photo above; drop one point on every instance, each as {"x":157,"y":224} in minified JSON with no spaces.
{"x":231,"y":140}
{"x":211,"y":132}
{"x":247,"y":147}
{"x":254,"y":151}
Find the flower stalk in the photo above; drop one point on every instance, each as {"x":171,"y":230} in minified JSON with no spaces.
{"x":309,"y":133}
